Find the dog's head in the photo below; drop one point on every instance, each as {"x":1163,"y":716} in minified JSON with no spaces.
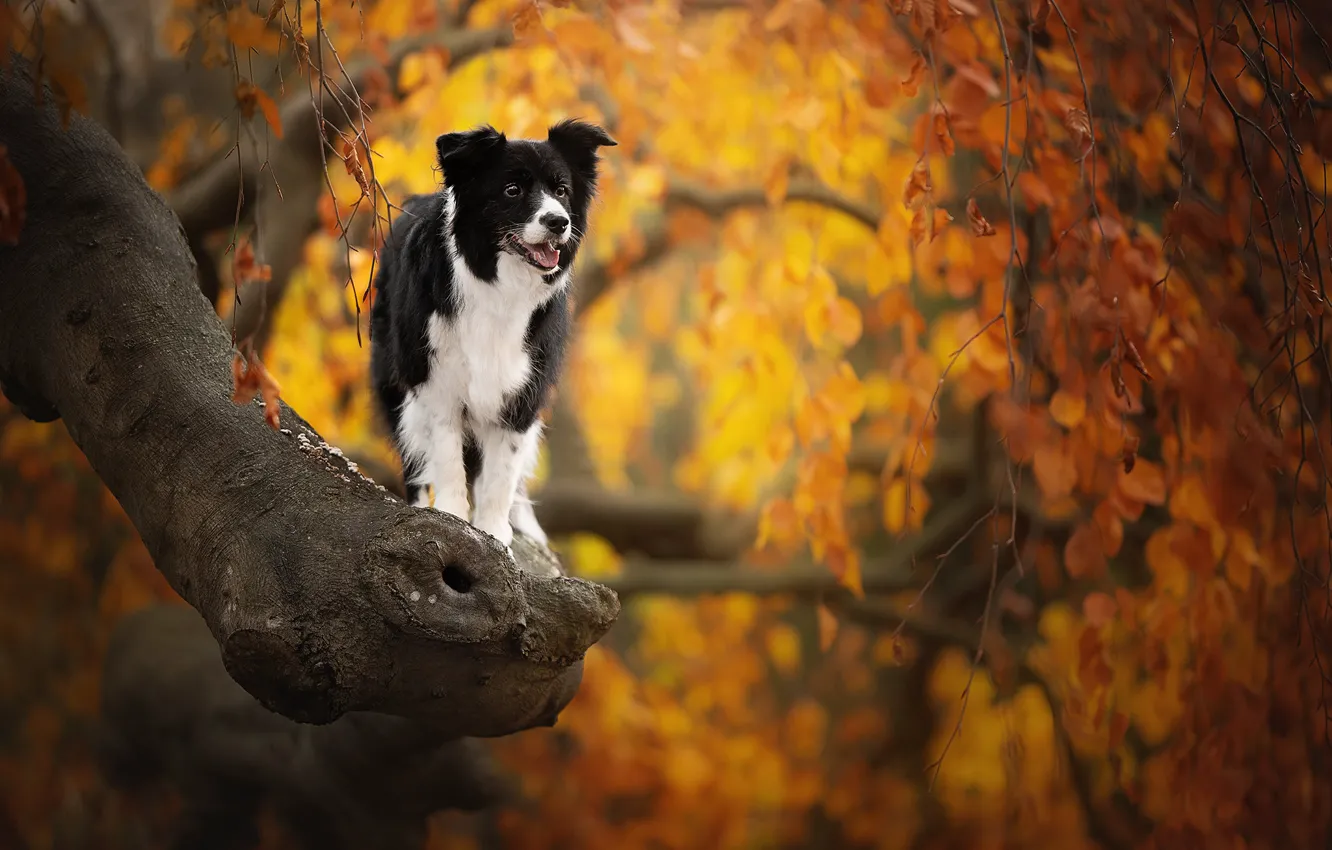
{"x":527,"y":198}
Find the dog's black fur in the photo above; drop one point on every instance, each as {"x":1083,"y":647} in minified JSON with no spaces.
{"x":419,"y":277}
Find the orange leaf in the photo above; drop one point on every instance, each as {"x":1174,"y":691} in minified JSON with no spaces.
{"x":1098,"y":609}
{"x":270,"y":109}
{"x":1092,"y":666}
{"x":878,"y":91}
{"x":1170,"y":572}
{"x":528,"y":21}
{"x":13,"y":197}
{"x":827,"y":628}
{"x":1111,"y":525}
{"x":1083,"y":555}
{"x":1035,"y":190}
{"x":247,"y":98}
{"x":944,"y":134}
{"x":919,"y":189}
{"x":1055,"y":471}
{"x":246,"y":268}
{"x":844,"y":321}
{"x":774,"y":188}
{"x":979,"y":225}
{"x":1068,"y":409}
{"x":1146,"y":483}
{"x":274,"y":9}
{"x":1079,"y":127}
{"x":911,"y":84}
{"x":250,"y":377}
{"x":351,"y":160}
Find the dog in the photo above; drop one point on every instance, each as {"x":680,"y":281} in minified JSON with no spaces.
{"x":471,"y":317}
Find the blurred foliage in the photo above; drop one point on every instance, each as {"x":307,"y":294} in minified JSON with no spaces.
{"x":1097,"y":226}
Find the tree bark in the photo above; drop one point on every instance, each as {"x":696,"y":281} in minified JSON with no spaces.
{"x":325,"y":593}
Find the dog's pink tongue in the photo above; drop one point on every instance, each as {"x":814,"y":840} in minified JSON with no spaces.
{"x":547,"y":256}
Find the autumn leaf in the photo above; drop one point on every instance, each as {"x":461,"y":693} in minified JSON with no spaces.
{"x":1084,"y":557}
{"x":1098,"y":609}
{"x":353,"y":164}
{"x":1144,"y":483}
{"x":250,"y":97}
{"x":13,"y":199}
{"x":878,"y":90}
{"x":246,"y":268}
{"x":249,"y":377}
{"x":1079,"y":128}
{"x":1054,"y":469}
{"x":979,"y":225}
{"x":527,"y":22}
{"x":827,"y":628}
{"x":630,"y":35}
{"x":1068,"y":409}
{"x":919,"y":189}
{"x":911,"y":83}
{"x":844,"y":321}
{"x":944,"y":135}
{"x":278,"y":6}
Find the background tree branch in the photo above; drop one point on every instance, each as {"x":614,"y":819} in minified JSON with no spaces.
{"x":171,"y":715}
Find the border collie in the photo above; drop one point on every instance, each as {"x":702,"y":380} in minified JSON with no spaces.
{"x":471,"y":315}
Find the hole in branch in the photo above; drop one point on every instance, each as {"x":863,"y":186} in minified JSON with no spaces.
{"x":456,"y":579}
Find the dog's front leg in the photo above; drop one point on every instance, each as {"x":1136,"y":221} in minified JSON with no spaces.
{"x":447,"y":473}
{"x":505,"y":455}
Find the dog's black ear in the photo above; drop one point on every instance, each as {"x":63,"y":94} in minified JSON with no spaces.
{"x":577,"y":141}
{"x":461,"y":153}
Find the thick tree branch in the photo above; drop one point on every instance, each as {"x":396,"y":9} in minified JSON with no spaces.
{"x":325,"y":594}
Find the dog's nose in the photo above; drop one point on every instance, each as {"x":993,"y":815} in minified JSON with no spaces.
{"x":554,"y":222}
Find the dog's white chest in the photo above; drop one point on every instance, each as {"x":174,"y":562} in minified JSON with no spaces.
{"x":480,"y":357}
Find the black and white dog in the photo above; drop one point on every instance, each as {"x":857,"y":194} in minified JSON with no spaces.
{"x":471,"y":315}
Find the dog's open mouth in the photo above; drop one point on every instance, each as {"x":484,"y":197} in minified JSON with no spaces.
{"x":543,"y":255}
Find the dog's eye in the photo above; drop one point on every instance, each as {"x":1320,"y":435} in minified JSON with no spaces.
{"x":560,"y":191}
{"x":513,"y":190}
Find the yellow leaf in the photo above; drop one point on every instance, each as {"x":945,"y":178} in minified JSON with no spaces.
{"x":816,"y":322}
{"x":784,"y":647}
{"x":845,"y":321}
{"x":894,"y":506}
{"x":1170,"y":571}
{"x":1068,"y":409}
{"x":851,"y":577}
{"x":827,"y":628}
